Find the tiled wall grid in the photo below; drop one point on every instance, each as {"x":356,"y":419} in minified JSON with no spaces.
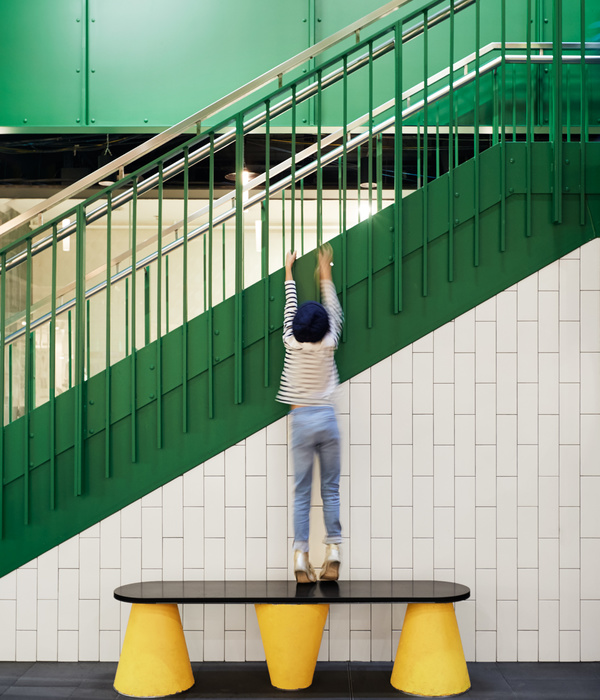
{"x":472,"y":455}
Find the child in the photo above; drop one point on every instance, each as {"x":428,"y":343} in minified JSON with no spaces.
{"x":308,"y":382}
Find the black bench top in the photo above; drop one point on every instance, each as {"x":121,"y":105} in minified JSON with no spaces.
{"x":279,"y":592}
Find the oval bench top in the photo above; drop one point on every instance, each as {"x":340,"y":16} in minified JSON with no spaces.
{"x":280,"y":592}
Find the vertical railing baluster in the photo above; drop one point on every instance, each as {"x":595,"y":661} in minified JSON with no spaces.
{"x":127,"y":311}
{"x":457,"y":138}
{"x":293,"y":174}
{"x":204,"y":271}
{"x":494,"y":76}
{"x":184,"y":326}
{"x":223,"y":259}
{"x":425,"y":257}
{"x":210,"y":334}
{"x":319,"y":117}
{"x":437,"y":140}
{"x":398,"y":168}
{"x":147,"y":305}
{"x":33,"y":371}
{"x":344,"y":193}
{"x":528,"y":128}
{"x":52,"y":379}
{"x":70,"y":347}
{"x":264,"y":244}
{"x":451,"y":138}
{"x":358,"y":181}
{"x":2,"y":371}
{"x":302,"y":217}
{"x":264,"y":267}
{"x":107,"y":361}
{"x":557,"y":108}
{"x":503,"y":129}
{"x":339,"y":180}
{"x":239,"y":255}
{"x":583,"y":119}
{"x":88,"y":341}
{"x":27,"y":395}
{"x":80,"y":326}
{"x":370,"y":200}
{"x":379,"y":171}
{"x":10,"y":384}
{"x":283,"y":245}
{"x":159,"y":359}
{"x":133,"y":357}
{"x":476,"y":191}
{"x":514,"y":101}
{"x":419,"y":175}
{"x":52,"y":374}
{"x":568,"y":103}
{"x":167,"y":300}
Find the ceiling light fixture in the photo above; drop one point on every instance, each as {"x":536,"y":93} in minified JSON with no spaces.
{"x":247,"y":175}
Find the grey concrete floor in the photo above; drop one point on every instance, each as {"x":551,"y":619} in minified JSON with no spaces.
{"x":368,"y":681}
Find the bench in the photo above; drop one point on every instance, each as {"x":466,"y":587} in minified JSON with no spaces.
{"x":154,"y":660}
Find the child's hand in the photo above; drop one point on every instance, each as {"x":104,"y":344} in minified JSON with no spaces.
{"x":325,"y":260}
{"x":290,"y":258}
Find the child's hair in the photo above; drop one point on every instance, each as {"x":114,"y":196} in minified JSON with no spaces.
{"x":310,"y":323}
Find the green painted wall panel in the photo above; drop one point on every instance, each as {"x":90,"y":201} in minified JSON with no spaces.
{"x":150,"y":63}
{"x":42,"y":63}
{"x":156,"y":63}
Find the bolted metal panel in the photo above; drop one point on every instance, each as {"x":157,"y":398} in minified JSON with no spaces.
{"x":71,"y":70}
{"x":44,"y":45}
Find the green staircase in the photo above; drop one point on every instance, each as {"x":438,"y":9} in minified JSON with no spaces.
{"x":471,"y":231}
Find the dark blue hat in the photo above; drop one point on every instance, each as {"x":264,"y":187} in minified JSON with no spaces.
{"x":310,"y":323}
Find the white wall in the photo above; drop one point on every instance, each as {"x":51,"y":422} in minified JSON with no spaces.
{"x":471,"y":455}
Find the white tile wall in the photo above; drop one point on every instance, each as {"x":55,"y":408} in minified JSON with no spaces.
{"x":471,"y":455}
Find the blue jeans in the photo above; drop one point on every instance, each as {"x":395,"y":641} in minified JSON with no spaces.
{"x":315,"y":431}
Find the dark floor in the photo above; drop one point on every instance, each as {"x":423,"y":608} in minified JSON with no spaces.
{"x":490,"y":681}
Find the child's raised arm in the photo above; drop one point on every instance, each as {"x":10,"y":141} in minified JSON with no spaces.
{"x":328,"y":294}
{"x":325,"y":261}
{"x":291,"y":300}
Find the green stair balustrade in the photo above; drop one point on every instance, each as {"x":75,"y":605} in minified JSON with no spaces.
{"x":140,"y":334}
{"x":363,"y":346}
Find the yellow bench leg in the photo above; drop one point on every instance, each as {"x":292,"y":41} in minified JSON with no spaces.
{"x":154,"y":659}
{"x":430,"y":660}
{"x":291,"y":636}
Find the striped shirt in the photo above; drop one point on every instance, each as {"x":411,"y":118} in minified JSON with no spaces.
{"x":310,"y":375}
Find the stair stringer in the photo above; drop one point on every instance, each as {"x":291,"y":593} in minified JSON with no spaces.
{"x":263,"y":309}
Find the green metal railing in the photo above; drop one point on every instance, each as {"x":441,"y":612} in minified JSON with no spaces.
{"x":120,"y":269}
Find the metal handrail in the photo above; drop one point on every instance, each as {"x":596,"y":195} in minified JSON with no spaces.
{"x":195,"y":120}
{"x":330,"y":156}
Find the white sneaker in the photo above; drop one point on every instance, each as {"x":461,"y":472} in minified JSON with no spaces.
{"x":331,"y":565}
{"x":302,"y":568}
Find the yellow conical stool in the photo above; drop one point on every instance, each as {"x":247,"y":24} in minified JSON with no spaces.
{"x":430,"y":660}
{"x":154,"y":661}
{"x":291,"y":636}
